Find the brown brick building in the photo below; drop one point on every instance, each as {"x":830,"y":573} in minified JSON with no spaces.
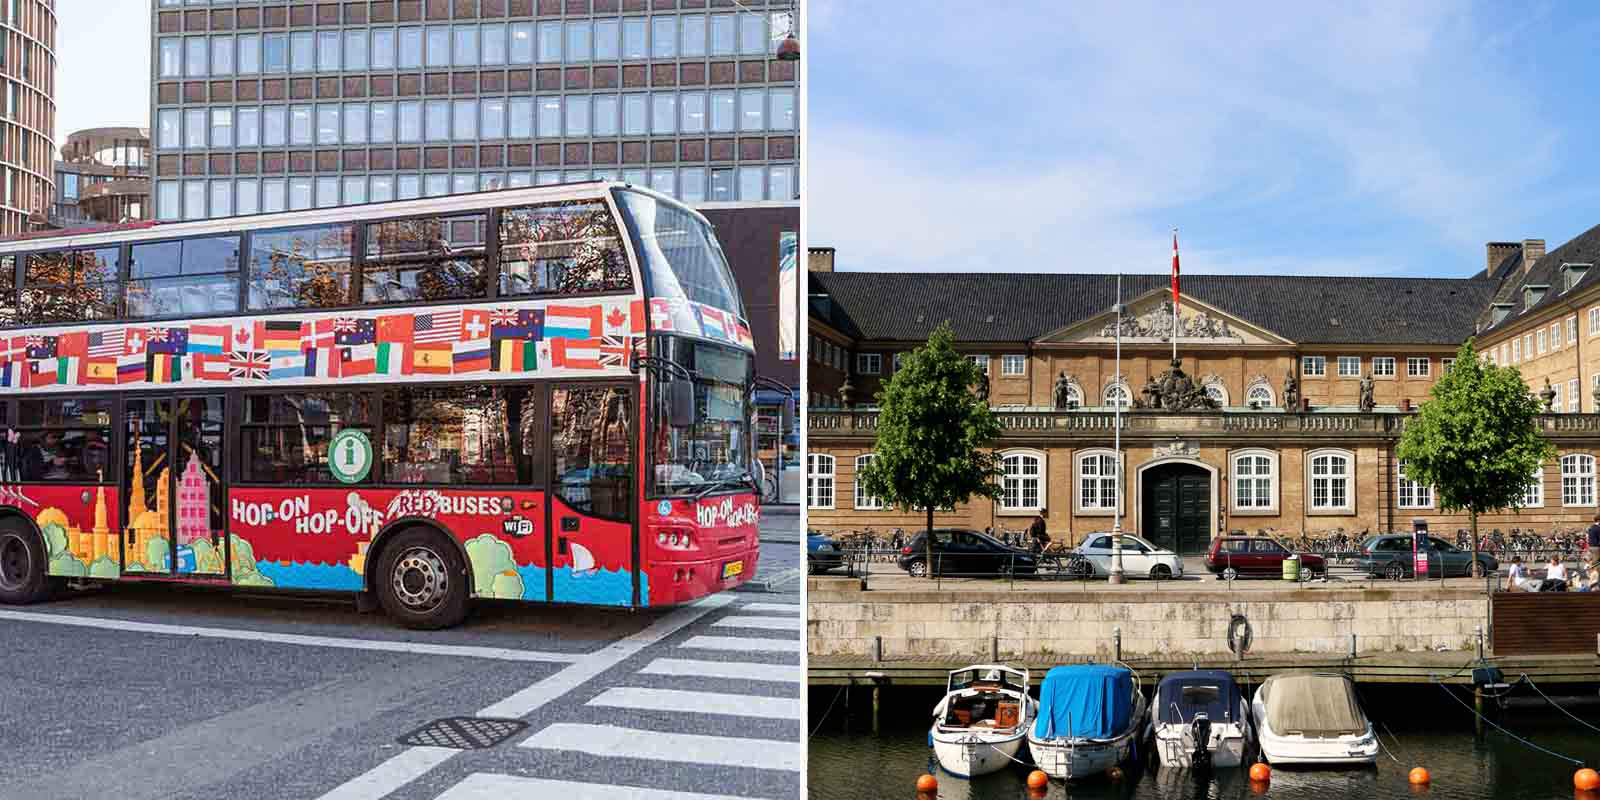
{"x":1264,"y":458}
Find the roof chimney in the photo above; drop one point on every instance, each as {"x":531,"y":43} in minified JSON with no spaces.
{"x":820,"y":259}
{"x":1532,"y":251}
{"x":1497,"y":253}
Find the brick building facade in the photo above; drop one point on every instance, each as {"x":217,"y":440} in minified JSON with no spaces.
{"x":1264,"y":459}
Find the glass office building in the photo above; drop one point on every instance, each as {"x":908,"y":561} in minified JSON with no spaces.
{"x":265,"y":106}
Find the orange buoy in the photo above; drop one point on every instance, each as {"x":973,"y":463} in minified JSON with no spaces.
{"x":1037,"y":779}
{"x":1259,"y":771}
{"x":1586,"y":780}
{"x":1419,"y":775}
{"x":927,"y":783}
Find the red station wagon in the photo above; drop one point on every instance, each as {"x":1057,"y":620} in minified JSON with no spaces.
{"x":1240,"y":556}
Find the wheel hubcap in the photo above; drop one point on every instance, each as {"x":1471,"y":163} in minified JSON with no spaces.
{"x":420,"y":579}
{"x":15,"y":562}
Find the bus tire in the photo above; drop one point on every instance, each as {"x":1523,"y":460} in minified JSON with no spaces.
{"x":421,"y":580}
{"x":24,"y":570}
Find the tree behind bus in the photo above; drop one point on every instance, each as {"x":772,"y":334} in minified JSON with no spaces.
{"x":933,"y":434}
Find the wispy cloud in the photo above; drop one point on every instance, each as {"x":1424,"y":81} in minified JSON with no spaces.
{"x":1371,"y":138}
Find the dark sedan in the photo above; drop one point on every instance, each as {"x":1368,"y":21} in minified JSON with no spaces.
{"x":959,"y":552}
{"x":1391,"y":556}
{"x":822,"y":554}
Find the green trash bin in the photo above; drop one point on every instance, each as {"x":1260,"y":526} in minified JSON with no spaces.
{"x":1291,"y":567}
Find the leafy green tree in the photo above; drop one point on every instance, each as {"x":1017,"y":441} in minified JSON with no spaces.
{"x":1476,"y":439}
{"x":933,"y":433}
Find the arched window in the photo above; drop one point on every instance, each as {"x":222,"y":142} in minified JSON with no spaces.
{"x":1260,"y":395}
{"x":1329,"y":477}
{"x":864,"y":501}
{"x":1097,"y":481}
{"x":1022,"y":480}
{"x":1412,"y":494}
{"x":819,"y":480}
{"x":1217,"y":392}
{"x":1255,"y":482}
{"x":1117,"y":395}
{"x":1577,"y":480}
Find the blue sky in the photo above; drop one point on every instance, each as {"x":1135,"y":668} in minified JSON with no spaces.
{"x":1379,"y":138}
{"x":102,"y":64}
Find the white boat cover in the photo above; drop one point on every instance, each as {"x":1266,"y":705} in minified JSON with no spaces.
{"x":1312,"y":704}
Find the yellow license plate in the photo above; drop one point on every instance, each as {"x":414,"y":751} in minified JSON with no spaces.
{"x":732,"y":569}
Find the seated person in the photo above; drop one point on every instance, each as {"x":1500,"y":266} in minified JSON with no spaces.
{"x":1555,"y":576}
{"x":1518,"y":580}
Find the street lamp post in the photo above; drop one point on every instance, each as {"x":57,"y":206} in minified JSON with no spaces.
{"x":1116,"y":438}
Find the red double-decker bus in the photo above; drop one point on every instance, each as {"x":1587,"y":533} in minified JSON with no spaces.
{"x":540,"y":394}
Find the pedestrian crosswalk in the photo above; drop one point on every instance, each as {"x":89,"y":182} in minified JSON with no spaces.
{"x":724,"y":696}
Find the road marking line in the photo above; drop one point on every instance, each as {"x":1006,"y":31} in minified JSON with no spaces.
{"x":684,"y":748}
{"x":405,"y":767}
{"x":763,"y":623}
{"x":379,"y":645}
{"x":733,"y":705}
{"x":739,"y":643}
{"x":486,"y":786}
{"x":401,"y":770}
{"x":735,"y":670}
{"x":790,"y":608}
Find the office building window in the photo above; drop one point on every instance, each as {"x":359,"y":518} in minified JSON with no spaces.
{"x":577,"y":114}
{"x":355,"y":49}
{"x":607,"y":34}
{"x":579,"y":46}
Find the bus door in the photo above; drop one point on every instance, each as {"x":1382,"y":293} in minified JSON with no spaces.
{"x":593,"y":549}
{"x":173,"y":488}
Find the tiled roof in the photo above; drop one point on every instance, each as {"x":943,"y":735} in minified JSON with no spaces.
{"x":1583,"y":249}
{"x":905,"y":306}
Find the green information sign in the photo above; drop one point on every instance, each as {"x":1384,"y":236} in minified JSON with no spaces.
{"x":350,"y":456}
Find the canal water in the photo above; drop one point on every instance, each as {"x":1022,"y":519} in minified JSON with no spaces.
{"x":1424,"y":728}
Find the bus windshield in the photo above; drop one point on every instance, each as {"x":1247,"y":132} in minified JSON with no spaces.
{"x":714,"y":452}
{"x":678,"y":253}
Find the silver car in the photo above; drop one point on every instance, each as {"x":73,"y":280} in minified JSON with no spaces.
{"x":1139,"y":557}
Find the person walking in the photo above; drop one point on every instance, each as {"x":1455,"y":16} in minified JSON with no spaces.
{"x":1037,"y":533}
{"x":1591,"y":553}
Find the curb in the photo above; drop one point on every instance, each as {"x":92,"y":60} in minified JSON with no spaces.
{"x":782,"y":581}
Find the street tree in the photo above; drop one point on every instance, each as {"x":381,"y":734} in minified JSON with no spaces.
{"x":933,"y":434}
{"x":1476,"y":439}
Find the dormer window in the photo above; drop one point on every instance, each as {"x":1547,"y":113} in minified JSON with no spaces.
{"x":1571,"y":274}
{"x":1531,"y":295}
{"x":1500,"y":312}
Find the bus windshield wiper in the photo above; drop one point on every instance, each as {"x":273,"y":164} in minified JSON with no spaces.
{"x":743,"y":480}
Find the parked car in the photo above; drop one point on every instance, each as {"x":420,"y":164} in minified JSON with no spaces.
{"x":963,"y":552}
{"x":1139,"y":557}
{"x":822,"y":553}
{"x":1240,"y":556}
{"x":1390,"y":556}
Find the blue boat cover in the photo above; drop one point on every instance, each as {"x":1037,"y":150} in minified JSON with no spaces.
{"x":1182,"y":695}
{"x":1088,"y":700}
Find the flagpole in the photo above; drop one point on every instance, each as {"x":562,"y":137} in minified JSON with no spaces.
{"x":1174,"y":294}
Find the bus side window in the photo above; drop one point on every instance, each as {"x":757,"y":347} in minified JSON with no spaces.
{"x":590,"y":445}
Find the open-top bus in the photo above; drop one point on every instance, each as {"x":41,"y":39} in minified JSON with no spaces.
{"x":539,"y":394}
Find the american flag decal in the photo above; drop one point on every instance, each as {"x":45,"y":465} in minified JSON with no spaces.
{"x":441,"y":326}
{"x":107,"y":343}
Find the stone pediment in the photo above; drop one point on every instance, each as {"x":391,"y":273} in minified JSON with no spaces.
{"x":1148,"y":320}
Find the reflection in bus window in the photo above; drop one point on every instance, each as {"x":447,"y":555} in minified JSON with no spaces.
{"x":679,"y":254}
{"x":70,"y":285}
{"x":561,"y":248}
{"x":431,"y":258}
{"x":63,"y":440}
{"x":8,"y":290}
{"x":715,"y":449}
{"x":460,"y":434}
{"x":192,"y":276}
{"x":300,"y":267}
{"x":285,"y":436}
{"x":590,"y":435}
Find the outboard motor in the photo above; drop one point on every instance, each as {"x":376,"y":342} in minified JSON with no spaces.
{"x":1200,"y":733}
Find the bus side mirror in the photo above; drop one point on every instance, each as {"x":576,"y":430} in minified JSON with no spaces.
{"x":680,"y":401}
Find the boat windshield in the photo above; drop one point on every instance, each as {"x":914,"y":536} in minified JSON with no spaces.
{"x":987,"y":678}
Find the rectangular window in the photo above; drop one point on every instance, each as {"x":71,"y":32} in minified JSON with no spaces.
{"x":561,"y":248}
{"x":1555,"y":336}
{"x":1383,"y":366}
{"x":190,"y":276}
{"x":1533,"y":495}
{"x":722,"y":103}
{"x":752,"y":109}
{"x":355,"y":123}
{"x":1021,"y":481}
{"x":438,"y":120}
{"x":274,"y":196}
{"x":663,"y":113}
{"x":466,"y":46}
{"x":1516,"y":350}
{"x":1097,"y":482}
{"x":1313,"y":366}
{"x":382,"y":188}
{"x":869,"y":363}
{"x":302,"y":52}
{"x":168,"y":129}
{"x":300,"y":197}
{"x":493,"y":125}
{"x":634,"y":114}
{"x":693,"y":106}
{"x":1330,"y":482}
{"x":549,"y":42}
{"x":780,"y":183}
{"x":382,"y":56}
{"x":221,"y":199}
{"x":249,"y":54}
{"x":381,"y":123}
{"x":1252,"y":482}
{"x":664,"y":36}
{"x":194,"y":128}
{"x":521,"y":49}
{"x":1594,"y":321}
{"x":782,"y":116}
{"x":170,"y":57}
{"x":578,"y":44}
{"x":521,"y":118}
{"x":222,"y":55}
{"x":1349,"y":366}
{"x":327,"y":51}
{"x":245,"y":198}
{"x":752,"y":34}
{"x":1577,"y":480}
{"x":1572,"y":329}
{"x":328,"y":128}
{"x":247,"y":127}
{"x":577,"y":114}
{"x":694,"y":34}
{"x":438,"y":52}
{"x":722,"y":34}
{"x":549,"y":117}
{"x":981,"y":362}
{"x":1542,"y":343}
{"x":327,"y":192}
{"x":67,"y":440}
{"x":664,"y":180}
{"x":306,"y":267}
{"x":194,"y":57}
{"x":169,"y":204}
{"x":607,"y":34}
{"x":1527,"y":344}
{"x":633,"y":39}
{"x":425,"y":259}
{"x":605,"y":115}
{"x":692,"y":188}
{"x":1417,"y":367}
{"x":1445,"y":364}
{"x":819,"y":480}
{"x":275,"y":47}
{"x":464,"y":128}
{"x":355,"y":49}
{"x":493,"y":45}
{"x":1574,"y":400}
{"x":721,"y":185}
{"x":74,"y":285}
{"x":408,"y":187}
{"x":410,"y":48}
{"x":410,"y":113}
{"x":286,"y":436}
{"x":752,"y":183}
{"x":300,"y":125}
{"x":1412,"y":494}
{"x":274,"y":126}
{"x":1013,"y":364}
{"x":221,"y":127}
{"x":496,"y":436}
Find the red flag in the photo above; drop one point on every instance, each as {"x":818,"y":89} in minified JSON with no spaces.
{"x":1174,"y":272}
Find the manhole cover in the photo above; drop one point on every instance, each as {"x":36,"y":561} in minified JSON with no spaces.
{"x":464,"y":733}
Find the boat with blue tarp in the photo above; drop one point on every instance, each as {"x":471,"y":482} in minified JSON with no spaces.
{"x":1090,"y":716}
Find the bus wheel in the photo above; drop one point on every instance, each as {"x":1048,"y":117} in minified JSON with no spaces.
{"x":23,"y":567}
{"x":421,"y":581}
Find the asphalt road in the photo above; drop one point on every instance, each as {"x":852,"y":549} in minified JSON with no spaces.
{"x":161,"y":692}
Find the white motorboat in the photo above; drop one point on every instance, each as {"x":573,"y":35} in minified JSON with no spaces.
{"x":1312,"y":718}
{"x":979,"y":725}
{"x":1090,"y":717}
{"x":1201,"y":720}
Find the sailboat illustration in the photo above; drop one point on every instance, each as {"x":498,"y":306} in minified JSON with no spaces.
{"x":582,"y":560}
